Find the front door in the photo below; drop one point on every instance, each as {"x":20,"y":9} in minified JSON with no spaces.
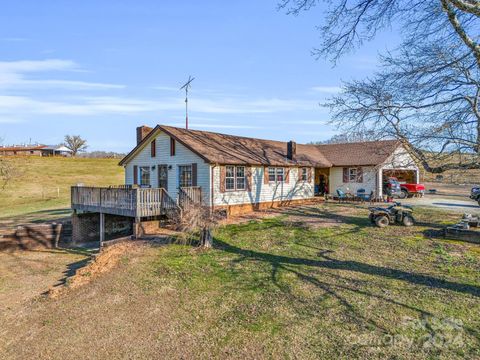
{"x":163,"y":176}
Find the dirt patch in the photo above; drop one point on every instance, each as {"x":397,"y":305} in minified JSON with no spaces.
{"x":255,"y":215}
{"x":105,"y":261}
{"x":25,"y":275}
{"x":305,"y":216}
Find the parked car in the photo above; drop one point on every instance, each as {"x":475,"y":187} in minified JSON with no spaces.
{"x":410,"y":190}
{"x":391,"y":187}
{"x":475,"y":194}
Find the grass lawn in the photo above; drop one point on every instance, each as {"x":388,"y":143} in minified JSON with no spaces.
{"x":309,"y":282}
{"x":41,"y":191}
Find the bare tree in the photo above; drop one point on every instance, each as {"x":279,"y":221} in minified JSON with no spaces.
{"x":197,"y":224}
{"x":7,"y":172}
{"x":349,"y":23}
{"x":426,"y":92}
{"x":427,"y":97}
{"x":347,"y":137}
{"x":75,"y":143}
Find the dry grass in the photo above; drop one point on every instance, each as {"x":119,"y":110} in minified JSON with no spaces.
{"x":42,"y":189}
{"x":25,"y":275}
{"x":277,"y":287}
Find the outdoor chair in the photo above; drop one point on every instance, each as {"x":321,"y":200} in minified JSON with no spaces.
{"x":342,"y":196}
{"x":362,"y":196}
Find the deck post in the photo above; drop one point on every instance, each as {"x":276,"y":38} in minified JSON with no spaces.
{"x":102,"y":229}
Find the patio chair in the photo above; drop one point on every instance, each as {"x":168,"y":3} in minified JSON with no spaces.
{"x":342,"y":196}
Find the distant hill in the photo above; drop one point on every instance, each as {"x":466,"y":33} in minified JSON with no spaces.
{"x":44,"y":183}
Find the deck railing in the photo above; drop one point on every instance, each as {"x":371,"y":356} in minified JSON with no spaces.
{"x":188,"y":196}
{"x":125,"y":201}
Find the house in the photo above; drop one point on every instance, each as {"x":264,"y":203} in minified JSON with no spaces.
{"x":171,"y":167}
{"x":241,"y":174}
{"x":56,"y":150}
{"x":21,"y":150}
{"x":35,"y":150}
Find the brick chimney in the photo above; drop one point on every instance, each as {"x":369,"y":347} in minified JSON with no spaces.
{"x":291,"y":150}
{"x":142,"y":132}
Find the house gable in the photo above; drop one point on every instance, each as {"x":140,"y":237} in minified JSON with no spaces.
{"x":183,"y":157}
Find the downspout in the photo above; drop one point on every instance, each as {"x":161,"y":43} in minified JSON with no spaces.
{"x":212,"y":203}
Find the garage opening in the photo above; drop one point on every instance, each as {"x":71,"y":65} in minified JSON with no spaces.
{"x":403,"y":176}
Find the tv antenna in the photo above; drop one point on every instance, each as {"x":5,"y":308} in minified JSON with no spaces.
{"x":187,"y":86}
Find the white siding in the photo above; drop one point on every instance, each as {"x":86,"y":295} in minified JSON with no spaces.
{"x":336,"y":181}
{"x":261,"y":192}
{"x":400,"y":160}
{"x":183,"y":156}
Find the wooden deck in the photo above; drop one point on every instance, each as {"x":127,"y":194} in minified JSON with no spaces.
{"x":124,"y":201}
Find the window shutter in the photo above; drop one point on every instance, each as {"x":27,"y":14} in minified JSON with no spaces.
{"x":172,"y":147}
{"x":345,"y":175}
{"x":135,"y":175}
{"x":309,"y":175}
{"x":249,"y":178}
{"x":287,"y":175}
{"x":265,"y":175}
{"x":360,"y":175}
{"x":153,"y":148}
{"x":222,"y":178}
{"x":194,"y":174}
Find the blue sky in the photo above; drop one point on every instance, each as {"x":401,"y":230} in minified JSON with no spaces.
{"x":101,"y":68}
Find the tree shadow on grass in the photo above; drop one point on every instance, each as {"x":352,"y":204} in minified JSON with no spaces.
{"x":293,"y":265}
{"x":36,"y":217}
{"x":351,"y":265}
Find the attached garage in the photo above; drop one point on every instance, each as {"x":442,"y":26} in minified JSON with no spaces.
{"x":409,"y":176}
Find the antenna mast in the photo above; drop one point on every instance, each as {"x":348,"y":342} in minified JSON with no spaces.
{"x":187,"y":86}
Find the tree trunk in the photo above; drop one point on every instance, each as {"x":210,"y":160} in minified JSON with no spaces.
{"x":206,"y":239}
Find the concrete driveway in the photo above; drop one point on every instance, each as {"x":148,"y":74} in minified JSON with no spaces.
{"x":449,"y":197}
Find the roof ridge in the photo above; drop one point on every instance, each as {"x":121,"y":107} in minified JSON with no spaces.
{"x":223,"y":134}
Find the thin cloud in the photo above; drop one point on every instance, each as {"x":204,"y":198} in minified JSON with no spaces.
{"x":13,"y":75}
{"x":84,"y":106}
{"x":166,"y":88}
{"x":13,"y":39}
{"x":305,"y":122}
{"x":10,"y":120}
{"x":327,"y":89}
{"x":23,"y":66}
{"x":194,"y":125}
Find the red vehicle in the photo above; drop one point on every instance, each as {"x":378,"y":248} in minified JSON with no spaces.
{"x":410,"y":190}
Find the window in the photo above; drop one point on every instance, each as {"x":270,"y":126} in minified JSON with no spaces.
{"x":240,"y":176}
{"x":304,"y":174}
{"x":235,"y":178}
{"x":172,"y":147}
{"x":271,"y":174}
{"x":153,"y":149}
{"x":352,"y":175}
{"x":185,"y":175}
{"x":145,"y":175}
{"x":276,"y":174}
